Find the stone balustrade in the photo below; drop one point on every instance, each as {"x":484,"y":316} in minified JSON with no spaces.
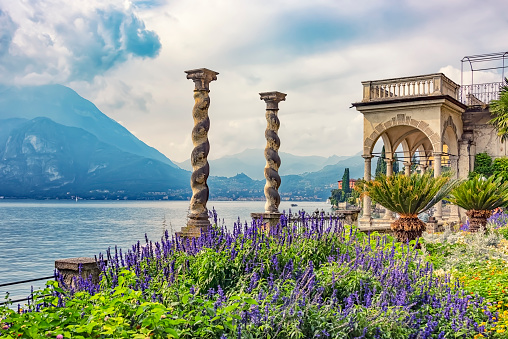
{"x":416,"y":86}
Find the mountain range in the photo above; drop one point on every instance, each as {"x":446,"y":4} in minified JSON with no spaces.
{"x":56,"y":144}
{"x":252,"y":163}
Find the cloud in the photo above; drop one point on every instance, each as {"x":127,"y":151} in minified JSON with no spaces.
{"x":7,"y":29}
{"x":61,"y":41}
{"x":129,"y":59}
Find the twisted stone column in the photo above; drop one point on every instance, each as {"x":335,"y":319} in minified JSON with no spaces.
{"x":198,"y":214}
{"x":272,"y":100}
{"x":272,"y":196}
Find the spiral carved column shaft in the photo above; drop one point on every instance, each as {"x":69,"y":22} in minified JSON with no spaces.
{"x":198,"y":214}
{"x":272,"y":100}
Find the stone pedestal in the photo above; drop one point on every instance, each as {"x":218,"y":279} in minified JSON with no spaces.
{"x":73,"y":268}
{"x":269,"y":219}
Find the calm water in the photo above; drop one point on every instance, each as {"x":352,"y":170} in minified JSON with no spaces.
{"x":33,"y":234}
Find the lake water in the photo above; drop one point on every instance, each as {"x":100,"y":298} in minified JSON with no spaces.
{"x":33,"y":234}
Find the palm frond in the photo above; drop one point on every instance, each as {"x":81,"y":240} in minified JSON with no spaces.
{"x":408,"y":195}
{"x":479,"y":193}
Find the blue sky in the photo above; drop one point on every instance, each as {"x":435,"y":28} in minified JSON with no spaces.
{"x":129,"y":58}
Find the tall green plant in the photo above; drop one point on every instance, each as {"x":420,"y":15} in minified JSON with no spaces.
{"x":345,"y":182}
{"x":482,"y":165}
{"x":381,"y":164}
{"x":408,"y":196}
{"x":499,"y":111}
{"x":479,"y":196}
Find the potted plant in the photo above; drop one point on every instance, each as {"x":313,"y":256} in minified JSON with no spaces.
{"x":479,"y":196}
{"x":408,"y":196}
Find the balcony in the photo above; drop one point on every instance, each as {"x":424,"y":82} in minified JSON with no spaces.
{"x":429,"y":85}
{"x":410,"y":87}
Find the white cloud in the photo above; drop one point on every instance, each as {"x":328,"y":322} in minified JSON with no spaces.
{"x":317,"y":52}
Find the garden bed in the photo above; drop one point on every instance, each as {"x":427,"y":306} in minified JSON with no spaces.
{"x":306,"y":281}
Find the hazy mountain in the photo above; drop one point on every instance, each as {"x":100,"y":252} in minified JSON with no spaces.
{"x":308,"y":186}
{"x":252,"y":163}
{"x":55,"y":144}
{"x":40,"y":158}
{"x":64,"y":106}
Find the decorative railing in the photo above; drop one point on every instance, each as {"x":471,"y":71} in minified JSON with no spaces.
{"x":416,"y":86}
{"x":479,"y":94}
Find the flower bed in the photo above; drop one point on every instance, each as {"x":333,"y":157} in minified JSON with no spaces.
{"x":291,"y":282}
{"x":480,"y":262}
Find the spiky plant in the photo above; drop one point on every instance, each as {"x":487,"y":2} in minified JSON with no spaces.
{"x":499,"y":111}
{"x":408,"y":196}
{"x":479,"y":196}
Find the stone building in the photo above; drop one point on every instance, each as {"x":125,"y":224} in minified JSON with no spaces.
{"x":433,"y":119}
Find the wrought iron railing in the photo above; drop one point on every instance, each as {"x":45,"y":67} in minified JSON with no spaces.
{"x":479,"y":94}
{"x":23,"y":282}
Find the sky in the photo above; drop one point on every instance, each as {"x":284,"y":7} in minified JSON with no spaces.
{"x":129,"y":56}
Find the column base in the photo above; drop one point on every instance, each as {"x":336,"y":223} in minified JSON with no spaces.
{"x":270,"y":219}
{"x":195,"y":226}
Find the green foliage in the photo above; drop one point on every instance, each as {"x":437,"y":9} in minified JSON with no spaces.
{"x":381,"y":164}
{"x":337,"y":196}
{"x":395,"y":164}
{"x":345,"y":182}
{"x":499,"y":111}
{"x":479,"y":193}
{"x":500,"y":168}
{"x":408,"y":195}
{"x":414,"y":163}
{"x":482,"y":165}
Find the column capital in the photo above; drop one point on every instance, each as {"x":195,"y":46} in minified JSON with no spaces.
{"x":367,"y":156}
{"x":437,"y":154}
{"x":388,"y":160}
{"x":272,"y":99}
{"x":202,"y":78}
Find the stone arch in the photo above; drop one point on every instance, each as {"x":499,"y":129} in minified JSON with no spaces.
{"x":401,"y":120}
{"x":449,"y":136}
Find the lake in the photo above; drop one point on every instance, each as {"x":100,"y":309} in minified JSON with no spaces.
{"x":33,"y":234}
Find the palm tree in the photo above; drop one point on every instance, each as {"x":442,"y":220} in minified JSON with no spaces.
{"x":499,"y":109}
{"x":479,"y":196}
{"x":408,"y":196}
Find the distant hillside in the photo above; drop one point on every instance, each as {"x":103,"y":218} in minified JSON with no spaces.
{"x":40,"y":158}
{"x":55,"y":144}
{"x":64,"y":106}
{"x":308,"y":186}
{"x":252,"y":163}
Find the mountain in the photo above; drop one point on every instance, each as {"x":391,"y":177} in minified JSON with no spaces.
{"x":40,"y":158}
{"x":252,"y":163}
{"x":55,"y":144}
{"x":309,"y":186}
{"x":64,"y":106}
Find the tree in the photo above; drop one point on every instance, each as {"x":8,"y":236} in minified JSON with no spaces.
{"x":479,"y":196}
{"x":408,"y":195}
{"x":345,"y":182}
{"x":414,"y":163}
{"x":499,"y":111}
{"x":381,"y":164}
{"x":395,"y":164}
{"x":336,"y":197}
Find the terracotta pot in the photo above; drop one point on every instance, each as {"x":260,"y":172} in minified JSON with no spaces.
{"x":478,"y":219}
